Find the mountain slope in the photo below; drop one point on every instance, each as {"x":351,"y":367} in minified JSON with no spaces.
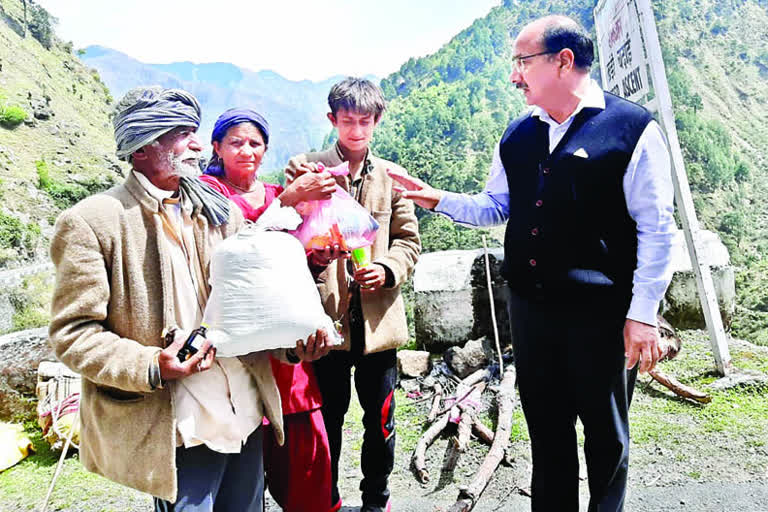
{"x":63,"y":151}
{"x":295,"y":109}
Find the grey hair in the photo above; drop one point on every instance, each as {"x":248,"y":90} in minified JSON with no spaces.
{"x":357,"y":95}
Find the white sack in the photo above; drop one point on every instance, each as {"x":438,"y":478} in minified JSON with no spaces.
{"x":262,"y":292}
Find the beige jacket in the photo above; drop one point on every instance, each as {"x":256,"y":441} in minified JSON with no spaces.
{"x":113,"y":297}
{"x":397,"y":246}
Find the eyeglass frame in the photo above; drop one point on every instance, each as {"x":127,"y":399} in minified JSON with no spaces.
{"x":517,"y":62}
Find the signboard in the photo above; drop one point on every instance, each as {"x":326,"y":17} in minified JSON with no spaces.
{"x":629,"y":46}
{"x":622,"y":62}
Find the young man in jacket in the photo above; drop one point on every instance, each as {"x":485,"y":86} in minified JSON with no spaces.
{"x":366,"y":301}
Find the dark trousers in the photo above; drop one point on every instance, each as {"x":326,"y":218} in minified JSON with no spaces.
{"x":375,"y":379}
{"x":569,"y":357}
{"x":210,"y":481}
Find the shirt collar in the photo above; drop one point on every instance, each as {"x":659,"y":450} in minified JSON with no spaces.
{"x":367,"y":166}
{"x":594,"y":98}
{"x":152,"y":190}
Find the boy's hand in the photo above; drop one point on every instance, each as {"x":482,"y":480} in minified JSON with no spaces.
{"x":170,"y":366}
{"x":317,"y":346}
{"x":370,"y":278}
{"x":416,"y":190}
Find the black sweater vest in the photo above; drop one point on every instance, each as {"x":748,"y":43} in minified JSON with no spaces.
{"x":569,"y":228}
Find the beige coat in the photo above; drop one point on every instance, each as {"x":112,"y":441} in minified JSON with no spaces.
{"x":397,"y":246}
{"x":113,"y":297}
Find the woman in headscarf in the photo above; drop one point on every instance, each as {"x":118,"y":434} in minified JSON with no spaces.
{"x":240,"y":139}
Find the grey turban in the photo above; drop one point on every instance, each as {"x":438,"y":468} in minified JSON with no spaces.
{"x":146,"y":113}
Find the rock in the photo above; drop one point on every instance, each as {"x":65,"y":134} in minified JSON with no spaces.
{"x":740,"y":378}
{"x":451,"y":298}
{"x":413,"y":363}
{"x":443,"y":298}
{"x":20,"y":355}
{"x":410,"y":385}
{"x":682,"y":305}
{"x":42,"y":111}
{"x":469,"y":358}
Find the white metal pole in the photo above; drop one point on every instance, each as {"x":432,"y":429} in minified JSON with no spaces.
{"x":683,"y":196}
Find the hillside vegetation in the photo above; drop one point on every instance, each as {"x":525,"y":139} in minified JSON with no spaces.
{"x":59,"y":148}
{"x":448,"y":110}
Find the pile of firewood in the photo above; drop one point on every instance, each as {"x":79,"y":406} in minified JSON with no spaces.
{"x":457,"y":411}
{"x":461,"y":409}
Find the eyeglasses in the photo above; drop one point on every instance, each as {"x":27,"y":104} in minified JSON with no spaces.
{"x":518,"y":62}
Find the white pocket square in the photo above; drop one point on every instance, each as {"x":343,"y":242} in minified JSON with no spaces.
{"x":581,"y":153}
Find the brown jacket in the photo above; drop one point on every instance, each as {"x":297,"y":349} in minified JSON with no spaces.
{"x":113,"y":297}
{"x":397,"y":246}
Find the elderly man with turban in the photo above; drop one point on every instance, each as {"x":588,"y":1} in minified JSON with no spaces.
{"x":131,"y":263}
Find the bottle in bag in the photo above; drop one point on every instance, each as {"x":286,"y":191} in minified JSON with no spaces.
{"x":193,"y":343}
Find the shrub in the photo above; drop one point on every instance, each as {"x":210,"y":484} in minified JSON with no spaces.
{"x":12,"y":116}
{"x":43,"y":176}
{"x":40,"y":25}
{"x":65,"y":195}
{"x":14,"y":234}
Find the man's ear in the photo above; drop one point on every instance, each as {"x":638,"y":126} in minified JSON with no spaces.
{"x":566,"y":60}
{"x":139,"y":155}
{"x":331,"y":118}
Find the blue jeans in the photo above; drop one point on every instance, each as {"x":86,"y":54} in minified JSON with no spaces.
{"x":210,"y":481}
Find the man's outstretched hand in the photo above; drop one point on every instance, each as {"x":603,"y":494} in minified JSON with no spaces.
{"x":416,"y":190}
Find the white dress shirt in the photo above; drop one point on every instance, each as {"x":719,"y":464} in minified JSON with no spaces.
{"x":648,"y":192}
{"x":219,"y":407}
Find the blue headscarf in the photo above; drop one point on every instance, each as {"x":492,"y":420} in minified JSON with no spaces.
{"x":227,"y":120}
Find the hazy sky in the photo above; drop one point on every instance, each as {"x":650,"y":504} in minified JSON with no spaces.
{"x":299,"y":39}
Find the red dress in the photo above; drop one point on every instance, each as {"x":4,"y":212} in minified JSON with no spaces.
{"x":305,"y":457}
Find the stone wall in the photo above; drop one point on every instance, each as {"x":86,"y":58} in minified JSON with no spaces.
{"x":20,"y":354}
{"x":452,"y":306}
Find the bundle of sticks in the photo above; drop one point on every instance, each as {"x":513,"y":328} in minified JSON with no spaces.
{"x":461,"y":408}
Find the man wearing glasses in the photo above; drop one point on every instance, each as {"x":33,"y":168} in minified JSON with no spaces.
{"x":583,"y":182}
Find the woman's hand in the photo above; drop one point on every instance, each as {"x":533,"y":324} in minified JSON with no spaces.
{"x":302,"y":169}
{"x":311,"y":186}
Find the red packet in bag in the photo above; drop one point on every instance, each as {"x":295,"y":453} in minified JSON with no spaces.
{"x":339,"y":220}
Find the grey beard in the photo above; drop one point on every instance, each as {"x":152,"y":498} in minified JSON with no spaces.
{"x":182,"y":168}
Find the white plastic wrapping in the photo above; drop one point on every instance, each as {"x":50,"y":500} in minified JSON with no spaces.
{"x":262,"y":293}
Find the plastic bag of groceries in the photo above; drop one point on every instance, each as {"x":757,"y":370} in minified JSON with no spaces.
{"x":262,"y":293}
{"x":339,"y":220}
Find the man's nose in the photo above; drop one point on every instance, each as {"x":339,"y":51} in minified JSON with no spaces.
{"x":515,"y":77}
{"x":194,"y":143}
